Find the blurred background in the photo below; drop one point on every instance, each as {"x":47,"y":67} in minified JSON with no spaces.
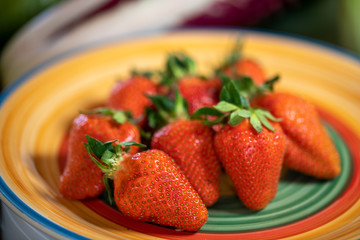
{"x":33,"y":31}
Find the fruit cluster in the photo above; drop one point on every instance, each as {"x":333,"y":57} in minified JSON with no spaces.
{"x":194,"y":127}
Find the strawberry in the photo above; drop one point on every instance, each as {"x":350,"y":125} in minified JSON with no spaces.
{"x":235,"y":65}
{"x":131,"y":94}
{"x":149,"y":186}
{"x":252,"y":160}
{"x":190,"y":144}
{"x":309,"y":146}
{"x":252,"y":156}
{"x":81,"y":178}
{"x":246,"y":67}
{"x":198,"y":91}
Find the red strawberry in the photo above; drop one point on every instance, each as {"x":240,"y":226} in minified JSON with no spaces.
{"x":82,"y":178}
{"x":199,"y":92}
{"x":252,"y":160}
{"x":190,"y":144}
{"x":180,"y":73}
{"x":236,"y":66}
{"x":310,"y":149}
{"x":251,"y":155}
{"x":131,"y":94}
{"x":248,"y":68}
{"x":149,"y":186}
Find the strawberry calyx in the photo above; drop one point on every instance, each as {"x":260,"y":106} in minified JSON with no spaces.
{"x":234,"y":106}
{"x":108,"y":157}
{"x":117,"y":115}
{"x":166,"y":110}
{"x":177,"y":65}
{"x":246,"y":86}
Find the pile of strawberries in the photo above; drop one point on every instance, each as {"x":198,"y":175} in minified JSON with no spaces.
{"x":159,"y":144}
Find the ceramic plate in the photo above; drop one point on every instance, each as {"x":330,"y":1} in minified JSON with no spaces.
{"x":37,"y":110}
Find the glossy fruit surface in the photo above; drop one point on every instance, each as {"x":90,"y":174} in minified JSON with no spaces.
{"x":190,"y":144}
{"x":310,"y":149}
{"x":199,"y":92}
{"x":151,"y":187}
{"x":81,"y":177}
{"x":252,"y":160}
{"x":131,"y":94}
{"x":249,"y":68}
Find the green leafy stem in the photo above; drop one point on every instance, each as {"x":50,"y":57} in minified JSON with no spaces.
{"x":110,"y":156}
{"x":234,"y":105}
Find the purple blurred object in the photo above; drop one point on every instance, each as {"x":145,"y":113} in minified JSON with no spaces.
{"x":237,"y":13}
{"x":217,"y":13}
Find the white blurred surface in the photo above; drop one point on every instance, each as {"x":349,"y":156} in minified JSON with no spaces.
{"x":16,"y":228}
